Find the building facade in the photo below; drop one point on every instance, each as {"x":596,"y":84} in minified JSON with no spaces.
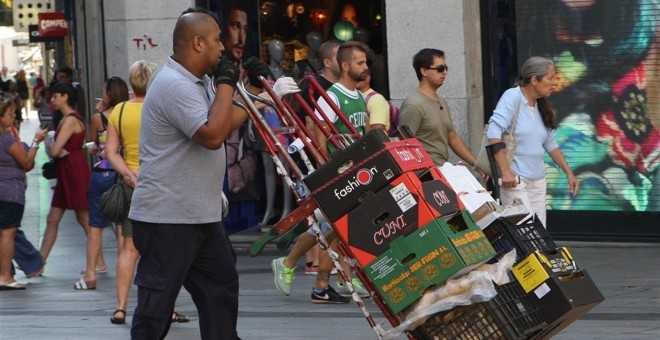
{"x":607,"y":105}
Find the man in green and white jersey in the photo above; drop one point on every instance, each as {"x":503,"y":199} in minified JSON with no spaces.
{"x":352,"y":60}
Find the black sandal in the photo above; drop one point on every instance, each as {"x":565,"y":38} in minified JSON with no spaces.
{"x":118,"y":321}
{"x":176,"y":317}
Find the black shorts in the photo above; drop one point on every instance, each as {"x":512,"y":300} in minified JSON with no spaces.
{"x":11,"y":214}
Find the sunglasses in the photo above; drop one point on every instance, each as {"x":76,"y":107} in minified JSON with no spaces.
{"x":441,"y":68}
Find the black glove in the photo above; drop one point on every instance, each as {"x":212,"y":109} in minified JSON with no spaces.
{"x":225,"y":72}
{"x":255,"y":68}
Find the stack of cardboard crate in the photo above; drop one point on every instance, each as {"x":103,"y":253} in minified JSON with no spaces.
{"x":411,"y":225}
{"x":398,"y":216}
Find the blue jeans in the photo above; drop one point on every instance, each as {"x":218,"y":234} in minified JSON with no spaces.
{"x":26,"y":256}
{"x":100,"y":182}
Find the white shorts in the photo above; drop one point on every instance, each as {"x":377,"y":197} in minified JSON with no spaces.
{"x":532,"y":194}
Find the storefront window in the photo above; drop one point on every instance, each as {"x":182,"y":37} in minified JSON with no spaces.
{"x":301,"y":27}
{"x":606,"y":56}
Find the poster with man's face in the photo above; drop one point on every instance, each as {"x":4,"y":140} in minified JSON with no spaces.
{"x":240,"y":34}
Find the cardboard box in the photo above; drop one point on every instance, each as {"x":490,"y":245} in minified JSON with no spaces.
{"x":437,"y":192}
{"x":468,"y":239}
{"x":490,"y":211}
{"x":436,"y":174}
{"x":561,"y":300}
{"x":461,"y":179}
{"x":472,"y":195}
{"x":406,"y":204}
{"x":366,"y":165}
{"x":539,"y":266}
{"x":412,"y":264}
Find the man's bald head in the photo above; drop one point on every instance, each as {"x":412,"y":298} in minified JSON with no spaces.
{"x":192,"y":22}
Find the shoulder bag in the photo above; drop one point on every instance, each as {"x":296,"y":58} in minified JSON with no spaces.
{"x":115,"y":203}
{"x":483,"y":164}
{"x":48,"y":170}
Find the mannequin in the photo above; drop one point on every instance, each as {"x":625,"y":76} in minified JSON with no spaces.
{"x":276,"y":52}
{"x":314,"y":41}
{"x":312,"y":64}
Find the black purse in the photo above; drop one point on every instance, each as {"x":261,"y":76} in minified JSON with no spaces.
{"x":115,"y":203}
{"x":48,"y":170}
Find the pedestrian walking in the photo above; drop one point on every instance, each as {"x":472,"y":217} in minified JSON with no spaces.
{"x":176,"y":212}
{"x":427,"y":114}
{"x":15,"y":160}
{"x":524,"y":177}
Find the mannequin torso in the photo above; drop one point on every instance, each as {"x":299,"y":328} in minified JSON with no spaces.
{"x":276,"y":52}
{"x":314,"y":41}
{"x":312,"y":64}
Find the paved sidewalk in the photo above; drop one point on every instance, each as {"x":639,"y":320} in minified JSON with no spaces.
{"x":627,"y":274}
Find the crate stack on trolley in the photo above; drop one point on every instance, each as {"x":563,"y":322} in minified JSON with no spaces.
{"x":551,"y":278}
{"x":411,"y":226}
{"x":415,"y":232}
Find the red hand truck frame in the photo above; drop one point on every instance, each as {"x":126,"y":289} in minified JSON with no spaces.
{"x":293,"y":126}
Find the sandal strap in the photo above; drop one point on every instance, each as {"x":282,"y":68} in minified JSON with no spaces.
{"x":84,"y":285}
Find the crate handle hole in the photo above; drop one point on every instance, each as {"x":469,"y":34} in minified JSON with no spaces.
{"x":380,"y":218}
{"x":408,"y":258}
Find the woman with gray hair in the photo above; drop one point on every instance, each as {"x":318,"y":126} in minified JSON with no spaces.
{"x":534,"y":123}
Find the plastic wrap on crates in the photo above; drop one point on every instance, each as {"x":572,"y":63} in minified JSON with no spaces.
{"x":476,"y":286}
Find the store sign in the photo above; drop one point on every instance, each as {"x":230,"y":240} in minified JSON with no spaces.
{"x":53,"y":25}
{"x":36,"y":37}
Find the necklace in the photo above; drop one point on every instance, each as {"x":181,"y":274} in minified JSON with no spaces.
{"x":532,"y":108}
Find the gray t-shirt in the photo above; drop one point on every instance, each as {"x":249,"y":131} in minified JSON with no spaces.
{"x":180,"y":181}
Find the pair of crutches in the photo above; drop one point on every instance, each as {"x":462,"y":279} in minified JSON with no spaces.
{"x":295,"y":127}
